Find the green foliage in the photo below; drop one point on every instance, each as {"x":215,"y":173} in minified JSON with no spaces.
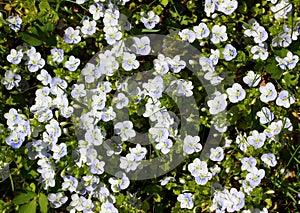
{"x":29,"y":207}
{"x":43,"y":203}
{"x":43,"y":25}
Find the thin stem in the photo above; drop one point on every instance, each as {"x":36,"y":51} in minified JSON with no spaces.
{"x":12,"y":183}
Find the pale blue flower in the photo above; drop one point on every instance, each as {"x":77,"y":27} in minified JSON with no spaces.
{"x":216,"y":154}
{"x":269,"y":159}
{"x":57,"y":200}
{"x":255,"y":176}
{"x":97,"y":167}
{"x":70,"y":183}
{"x":141,"y":45}
{"x":15,"y":56}
{"x":256,"y":139}
{"x":44,"y":77}
{"x":150,"y":19}
{"x":72,"y":63}
{"x":229,"y":52}
{"x":89,"y":27}
{"x":10,"y":80}
{"x":186,"y":200}
{"x":201,"y":31}
{"x":218,"y":34}
{"x":14,"y":22}
{"x":57,"y":54}
{"x":15,"y":140}
{"x":35,"y":62}
{"x":59,"y":151}
{"x":187,"y":35}
{"x":72,"y":36}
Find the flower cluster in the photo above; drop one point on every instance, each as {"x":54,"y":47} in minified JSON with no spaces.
{"x":92,"y":132}
{"x":19,"y":128}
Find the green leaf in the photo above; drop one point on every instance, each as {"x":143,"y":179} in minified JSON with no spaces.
{"x":149,"y":31}
{"x":23,"y":198}
{"x":48,"y":27}
{"x":29,"y":207}
{"x":44,"y":5}
{"x":51,"y":41}
{"x":274,"y":70}
{"x":164,"y":2}
{"x":281,"y":53}
{"x":120,"y":199}
{"x":39,"y":32}
{"x":290,"y":80}
{"x":145,"y":206}
{"x":31,"y":39}
{"x":43,"y":202}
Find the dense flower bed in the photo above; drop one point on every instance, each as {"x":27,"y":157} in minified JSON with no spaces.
{"x":149,"y":106}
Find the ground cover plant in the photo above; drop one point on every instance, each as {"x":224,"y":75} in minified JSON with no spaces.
{"x":149,"y":106}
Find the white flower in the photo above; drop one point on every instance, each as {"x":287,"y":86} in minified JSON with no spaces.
{"x":141,"y":45}
{"x":218,"y":104}
{"x":269,"y":159}
{"x":44,"y":77}
{"x":228,"y":6}
{"x":125,"y":130}
{"x":218,"y":34}
{"x":260,"y":34}
{"x":138,"y":152}
{"x":248,"y":163}
{"x":78,"y":91}
{"x":184,"y":88}
{"x":284,"y":99}
{"x":229,"y":52}
{"x":256,"y":139}
{"x":159,"y":133}
{"x":209,"y":7}
{"x":166,"y":180}
{"x":252,"y":79}
{"x":128,"y":163}
{"x":72,"y":63}
{"x":236,"y":93}
{"x":191,"y":144}
{"x":281,"y":9}
{"x":121,"y":101}
{"x":255,"y":176}
{"x":118,"y":184}
{"x":57,"y":200}
{"x":112,"y":35}
{"x":35,"y":62}
{"x":187,"y":35}
{"x":10,"y":80}
{"x":89,"y":27}
{"x":176,"y":65}
{"x":111,"y":17}
{"x":72,"y":36}
{"x":273,"y":129}
{"x":97,"y":10}
{"x":186,"y":201}
{"x":216,"y":154}
{"x":265,"y":115}
{"x":15,"y":56}
{"x":130,"y":62}
{"x":291,"y":60}
{"x":57,"y":55}
{"x":150,"y":19}
{"x":201,"y":31}
{"x":268,"y":93}
{"x":259,"y":52}
{"x":197,"y":167}
{"x":59,"y":151}
{"x":164,"y":145}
